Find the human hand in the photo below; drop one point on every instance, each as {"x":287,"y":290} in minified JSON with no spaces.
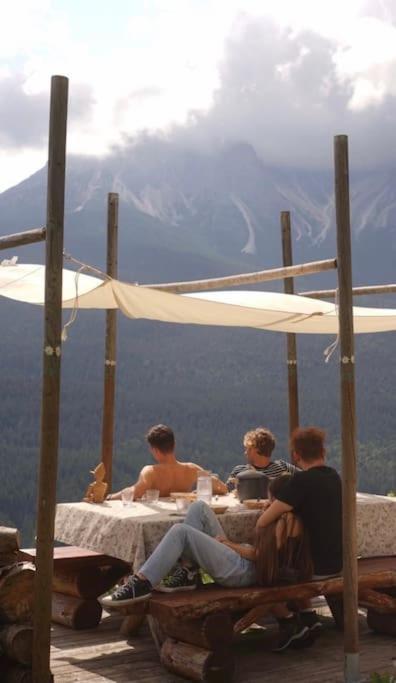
{"x":221,"y":539}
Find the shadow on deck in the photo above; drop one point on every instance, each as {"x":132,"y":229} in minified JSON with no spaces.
{"x":104,"y":655}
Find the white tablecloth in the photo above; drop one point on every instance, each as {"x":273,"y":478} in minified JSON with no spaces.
{"x":132,"y":533}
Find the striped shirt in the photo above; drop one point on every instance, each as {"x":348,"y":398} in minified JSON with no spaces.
{"x":272,"y":470}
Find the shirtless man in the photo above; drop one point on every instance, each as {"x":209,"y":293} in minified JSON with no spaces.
{"x":168,"y":474}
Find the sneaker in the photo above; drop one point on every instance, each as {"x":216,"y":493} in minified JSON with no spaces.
{"x":311,"y":620}
{"x":182,"y":579}
{"x":133,"y":590}
{"x":292,"y":633}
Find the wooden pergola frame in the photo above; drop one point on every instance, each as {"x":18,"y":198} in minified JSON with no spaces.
{"x":49,"y":438}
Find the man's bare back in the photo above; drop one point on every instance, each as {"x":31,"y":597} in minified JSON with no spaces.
{"x":168,"y":474}
{"x":169,"y":477}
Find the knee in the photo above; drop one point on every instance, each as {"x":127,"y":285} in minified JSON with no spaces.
{"x":178,"y":529}
{"x":197,"y":506}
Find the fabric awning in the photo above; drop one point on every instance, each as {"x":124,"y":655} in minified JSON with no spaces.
{"x":261,"y":310}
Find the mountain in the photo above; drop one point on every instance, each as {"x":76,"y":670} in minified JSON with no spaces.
{"x":186,"y":214}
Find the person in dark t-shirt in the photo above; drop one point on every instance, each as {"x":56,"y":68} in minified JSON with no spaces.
{"x":314,"y":494}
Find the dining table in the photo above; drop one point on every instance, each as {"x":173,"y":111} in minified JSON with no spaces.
{"x":131,"y":532}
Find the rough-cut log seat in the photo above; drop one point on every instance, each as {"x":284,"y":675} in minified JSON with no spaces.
{"x":194,"y":631}
{"x":82,"y":573}
{"x":373,"y":573}
{"x":79,"y":577}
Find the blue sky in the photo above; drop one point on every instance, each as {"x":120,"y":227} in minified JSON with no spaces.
{"x":146,"y":65}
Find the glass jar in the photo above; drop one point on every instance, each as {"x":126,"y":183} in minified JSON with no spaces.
{"x":204,"y":487}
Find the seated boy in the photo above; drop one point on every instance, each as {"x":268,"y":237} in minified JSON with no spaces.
{"x":259,"y":445}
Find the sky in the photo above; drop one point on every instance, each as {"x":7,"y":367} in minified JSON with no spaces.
{"x":283,"y":75}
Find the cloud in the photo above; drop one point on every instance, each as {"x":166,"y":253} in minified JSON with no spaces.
{"x":24,"y":116}
{"x":288,"y":93}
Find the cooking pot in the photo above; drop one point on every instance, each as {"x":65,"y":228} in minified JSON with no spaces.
{"x":252,"y":484}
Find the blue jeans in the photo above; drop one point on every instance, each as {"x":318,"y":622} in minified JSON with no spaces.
{"x":195,"y":540}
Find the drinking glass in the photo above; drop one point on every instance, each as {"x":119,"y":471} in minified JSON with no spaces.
{"x":127,"y":497}
{"x":152,"y":495}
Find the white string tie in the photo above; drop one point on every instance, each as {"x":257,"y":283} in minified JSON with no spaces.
{"x":329,"y":350}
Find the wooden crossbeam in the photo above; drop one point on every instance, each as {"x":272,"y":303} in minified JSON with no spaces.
{"x":19,"y":239}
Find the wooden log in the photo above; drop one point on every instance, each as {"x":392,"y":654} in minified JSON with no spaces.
{"x":157,"y":632}
{"x":211,"y":633}
{"x":50,"y":394}
{"x":247,"y":278}
{"x":195,"y":663}
{"x":16,"y":643}
{"x":250,"y":617}
{"x":379,"y":601}
{"x":110,"y":343}
{"x":336,"y":606}
{"x":80,"y":583}
{"x":381,"y":623}
{"x":19,"y":239}
{"x":12,"y":673}
{"x":348,"y":409}
{"x":75,"y":613}
{"x":210,"y":601}
{"x":356,"y":291}
{"x":9,"y":546}
{"x":130,"y":626}
{"x":291,"y":340}
{"x":17,"y":593}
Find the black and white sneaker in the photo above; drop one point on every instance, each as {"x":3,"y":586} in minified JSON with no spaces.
{"x":311,"y":619}
{"x":133,"y":590}
{"x":182,"y":579}
{"x":292,"y":633}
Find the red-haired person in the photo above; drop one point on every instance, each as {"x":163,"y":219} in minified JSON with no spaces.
{"x":314,"y":494}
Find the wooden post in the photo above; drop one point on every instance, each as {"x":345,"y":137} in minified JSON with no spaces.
{"x":111,"y":342}
{"x":292,"y":375}
{"x":348,"y":411}
{"x":51,"y":380}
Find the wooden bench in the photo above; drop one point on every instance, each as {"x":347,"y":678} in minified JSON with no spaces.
{"x":194,"y":631}
{"x":79,"y":577}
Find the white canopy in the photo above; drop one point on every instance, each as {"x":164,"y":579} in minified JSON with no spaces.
{"x":261,"y":310}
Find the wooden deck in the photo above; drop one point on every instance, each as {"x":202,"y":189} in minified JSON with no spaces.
{"x":104,"y":655}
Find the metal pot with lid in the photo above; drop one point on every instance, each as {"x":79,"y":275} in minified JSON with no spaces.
{"x":252,"y":483}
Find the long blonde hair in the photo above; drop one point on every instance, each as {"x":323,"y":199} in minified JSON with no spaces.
{"x":280,"y":554}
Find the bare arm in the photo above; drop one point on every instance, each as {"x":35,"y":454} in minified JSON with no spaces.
{"x":144,"y":482}
{"x":118,"y":494}
{"x":271,"y":514}
{"x":219,"y":488}
{"x":139,"y":489}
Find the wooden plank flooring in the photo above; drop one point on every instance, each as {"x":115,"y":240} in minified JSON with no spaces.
{"x":103,"y":655}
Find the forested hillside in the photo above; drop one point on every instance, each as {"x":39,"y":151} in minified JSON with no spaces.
{"x":211,"y":385}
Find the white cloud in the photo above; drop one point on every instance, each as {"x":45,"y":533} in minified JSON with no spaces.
{"x":170,"y":53}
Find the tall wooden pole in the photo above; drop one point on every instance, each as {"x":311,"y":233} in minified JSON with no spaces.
{"x":111,"y":342}
{"x":348,"y":410}
{"x":51,"y":380}
{"x":292,"y":375}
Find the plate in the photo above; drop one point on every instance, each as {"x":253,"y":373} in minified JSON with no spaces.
{"x":180,"y":494}
{"x":219,"y":509}
{"x":255,"y":504}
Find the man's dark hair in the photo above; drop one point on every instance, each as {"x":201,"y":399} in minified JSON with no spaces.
{"x":161,"y":437}
{"x":308,"y":443}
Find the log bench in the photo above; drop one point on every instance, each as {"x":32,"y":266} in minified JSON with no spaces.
{"x":194,"y":632}
{"x":79,"y":577}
